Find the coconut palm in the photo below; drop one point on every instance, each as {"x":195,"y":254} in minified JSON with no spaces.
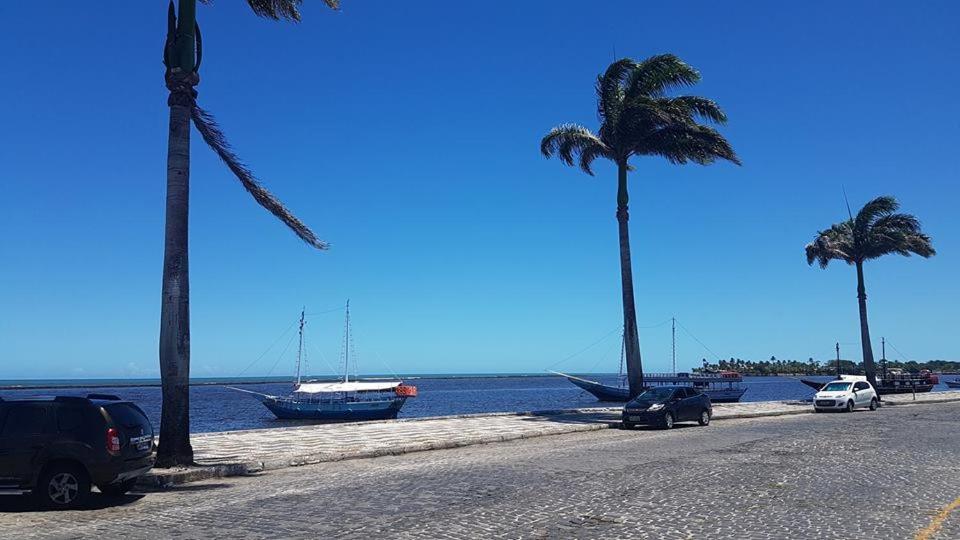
{"x":182,"y":56}
{"x":877,"y":230}
{"x":638,"y":118}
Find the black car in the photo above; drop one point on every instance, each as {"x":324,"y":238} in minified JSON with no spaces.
{"x":665,"y":405}
{"x":57,"y":447}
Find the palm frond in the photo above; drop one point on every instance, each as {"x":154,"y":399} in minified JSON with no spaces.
{"x":833,"y":244}
{"x":280,"y":9}
{"x":681,"y":143}
{"x":659,"y":74}
{"x":569,"y":140}
{"x":697,"y":107}
{"x":610,"y":90}
{"x":215,"y":138}
{"x":873,"y":210}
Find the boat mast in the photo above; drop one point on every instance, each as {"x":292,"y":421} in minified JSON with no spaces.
{"x":673,"y":334}
{"x":346,"y":357}
{"x":300,"y":349}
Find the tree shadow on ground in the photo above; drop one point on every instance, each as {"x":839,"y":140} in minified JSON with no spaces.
{"x":573,"y":418}
{"x":14,"y":504}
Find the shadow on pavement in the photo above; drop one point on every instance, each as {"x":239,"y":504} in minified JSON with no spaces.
{"x":97,"y":501}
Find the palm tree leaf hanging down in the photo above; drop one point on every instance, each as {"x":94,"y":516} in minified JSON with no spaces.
{"x":281,"y":9}
{"x":214,"y":137}
{"x":877,"y":230}
{"x":639,"y":117}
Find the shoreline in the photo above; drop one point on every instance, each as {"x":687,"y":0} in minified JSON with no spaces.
{"x":67,"y":384}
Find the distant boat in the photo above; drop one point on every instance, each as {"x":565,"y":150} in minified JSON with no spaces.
{"x":338,"y":401}
{"x":895,"y":381}
{"x":954,"y":383}
{"x":722,"y":387}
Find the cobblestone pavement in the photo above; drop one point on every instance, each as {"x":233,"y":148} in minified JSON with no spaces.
{"x":278,"y":448}
{"x":881,"y":474}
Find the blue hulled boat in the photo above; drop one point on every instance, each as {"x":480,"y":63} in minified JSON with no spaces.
{"x":338,"y":401}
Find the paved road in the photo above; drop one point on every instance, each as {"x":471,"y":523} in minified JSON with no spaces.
{"x":877,"y":475}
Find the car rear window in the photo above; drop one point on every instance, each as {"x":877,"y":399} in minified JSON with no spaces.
{"x":127,"y":415}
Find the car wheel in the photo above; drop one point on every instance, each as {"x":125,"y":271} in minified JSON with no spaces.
{"x":667,"y":421}
{"x":849,"y":407}
{"x":629,"y":425}
{"x":704,"y":418}
{"x":817,"y":410}
{"x":874,"y":405}
{"x":115,"y":490}
{"x":63,"y":486}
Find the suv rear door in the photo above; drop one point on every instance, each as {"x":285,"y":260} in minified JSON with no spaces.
{"x":135,"y":430}
{"x":22,"y":437}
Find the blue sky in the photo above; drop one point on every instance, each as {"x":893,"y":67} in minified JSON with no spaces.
{"x":406,"y":134}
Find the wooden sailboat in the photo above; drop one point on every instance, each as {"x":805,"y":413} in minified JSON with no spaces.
{"x":338,"y":401}
{"x":722,"y":387}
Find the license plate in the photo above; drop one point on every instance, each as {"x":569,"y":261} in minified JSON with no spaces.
{"x":142,"y":443}
{"x":635,"y":418}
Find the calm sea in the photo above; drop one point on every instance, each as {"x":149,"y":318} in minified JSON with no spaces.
{"x":216,"y":408}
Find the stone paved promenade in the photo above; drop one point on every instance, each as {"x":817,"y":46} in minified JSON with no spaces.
{"x":241,"y":452}
{"x":887,"y":474}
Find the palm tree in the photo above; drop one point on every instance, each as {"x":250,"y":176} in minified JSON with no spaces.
{"x":638,"y":118}
{"x":877,"y":230}
{"x":182,"y":56}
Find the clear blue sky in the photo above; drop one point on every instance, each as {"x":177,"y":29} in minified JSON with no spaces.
{"x":406,"y":134}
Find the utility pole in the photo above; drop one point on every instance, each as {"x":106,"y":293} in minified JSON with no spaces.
{"x":838,"y":360}
{"x":883,"y":357}
{"x":673,"y":333}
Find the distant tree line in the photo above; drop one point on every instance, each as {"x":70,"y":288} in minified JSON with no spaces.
{"x":814,"y":367}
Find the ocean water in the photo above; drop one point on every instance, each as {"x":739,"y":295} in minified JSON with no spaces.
{"x":217,"y":408}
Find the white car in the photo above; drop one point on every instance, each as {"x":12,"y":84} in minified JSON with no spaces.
{"x":846,"y":395}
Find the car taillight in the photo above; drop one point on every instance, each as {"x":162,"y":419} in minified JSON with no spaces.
{"x":113,"y":441}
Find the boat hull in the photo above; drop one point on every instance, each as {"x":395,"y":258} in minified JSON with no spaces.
{"x":953,"y":384}
{"x":903,"y":389}
{"x":604,"y":392}
{"x":336,"y":411}
{"x":885,"y":387}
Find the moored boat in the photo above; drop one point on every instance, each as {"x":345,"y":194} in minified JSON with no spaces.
{"x":338,"y":401}
{"x":894,"y":381}
{"x":722,"y":387}
{"x":953,"y":384}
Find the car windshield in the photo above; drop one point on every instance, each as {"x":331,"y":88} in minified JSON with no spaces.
{"x":655,"y":395}
{"x":836,"y":387}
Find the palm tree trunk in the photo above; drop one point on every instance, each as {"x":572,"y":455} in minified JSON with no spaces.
{"x":868,"y":364}
{"x":175,"y":446}
{"x":631,"y":339}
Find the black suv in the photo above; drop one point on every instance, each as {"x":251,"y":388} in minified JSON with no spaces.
{"x":57,"y":447}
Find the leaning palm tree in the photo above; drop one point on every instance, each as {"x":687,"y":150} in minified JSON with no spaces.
{"x":182,"y":56}
{"x":638,"y":118}
{"x":877,"y":230}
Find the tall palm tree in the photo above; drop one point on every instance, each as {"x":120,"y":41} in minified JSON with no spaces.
{"x":182,"y":55}
{"x":638,"y":118}
{"x":877,"y":230}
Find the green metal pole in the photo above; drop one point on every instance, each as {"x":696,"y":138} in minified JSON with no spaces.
{"x":186,"y":37}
